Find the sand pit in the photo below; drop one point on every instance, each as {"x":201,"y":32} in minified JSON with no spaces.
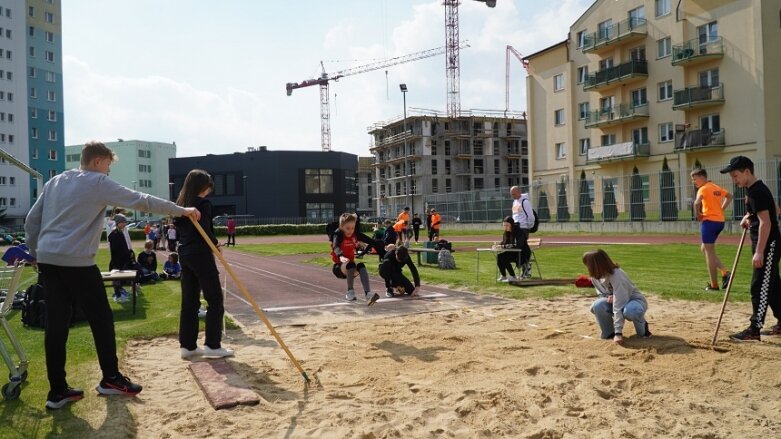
{"x":481,"y":372}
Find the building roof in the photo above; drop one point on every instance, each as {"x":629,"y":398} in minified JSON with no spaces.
{"x":547,"y":49}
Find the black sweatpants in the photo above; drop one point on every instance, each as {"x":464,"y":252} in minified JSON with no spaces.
{"x":416,"y":231}
{"x":395,"y":279}
{"x":199,"y":272}
{"x":765,"y":284}
{"x":522,"y":242}
{"x":505,"y":263}
{"x":81,"y":286}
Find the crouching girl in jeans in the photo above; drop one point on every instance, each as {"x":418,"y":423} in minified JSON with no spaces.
{"x":619,"y":298}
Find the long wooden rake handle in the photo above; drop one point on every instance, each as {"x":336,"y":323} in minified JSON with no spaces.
{"x":729,"y":286}
{"x":249,"y":298}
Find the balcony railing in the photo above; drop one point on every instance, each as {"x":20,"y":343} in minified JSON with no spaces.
{"x":696,"y":97}
{"x":617,"y":75}
{"x":695,"y":139}
{"x":692,"y":51}
{"x":629,"y":29}
{"x":619,"y":151}
{"x":613,"y":116}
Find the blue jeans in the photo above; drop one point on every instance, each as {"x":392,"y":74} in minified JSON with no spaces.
{"x":634,"y":311}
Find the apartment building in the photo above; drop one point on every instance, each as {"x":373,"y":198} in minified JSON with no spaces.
{"x":142,"y":165}
{"x":365,"y":180}
{"x":640,"y":81}
{"x":427,"y":154}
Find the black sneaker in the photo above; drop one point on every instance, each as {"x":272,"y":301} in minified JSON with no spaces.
{"x":118,"y":385}
{"x":725,"y":280}
{"x":372,"y":297}
{"x":647,"y":332}
{"x":710,"y":288}
{"x":389,"y":293}
{"x":58,"y":400}
{"x":748,"y":334}
{"x":774,"y":330}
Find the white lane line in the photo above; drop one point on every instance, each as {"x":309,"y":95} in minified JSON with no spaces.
{"x":322,"y":305}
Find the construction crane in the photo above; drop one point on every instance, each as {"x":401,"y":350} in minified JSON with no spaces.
{"x":510,"y":50}
{"x":452,"y":58}
{"x":325,"y":78}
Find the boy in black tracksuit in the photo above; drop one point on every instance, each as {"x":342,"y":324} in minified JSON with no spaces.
{"x":416,"y":223}
{"x":390,"y":270}
{"x":761,"y":221}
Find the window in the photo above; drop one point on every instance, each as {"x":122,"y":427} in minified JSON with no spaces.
{"x":49,"y":55}
{"x":665,"y":90}
{"x":10,"y":138}
{"x":636,"y":17}
{"x":435,"y":186}
{"x":709,"y":78}
{"x":583,"y":109}
{"x":640,"y":136}
{"x":320,"y":211}
{"x":448,"y":185}
{"x":639,"y":97}
{"x":497,"y":166}
{"x":31,"y":11}
{"x":12,"y":181}
{"x":3,"y":201}
{"x":561,"y":153}
{"x":9,"y":75}
{"x":433,"y":147}
{"x":478,"y":166}
{"x":707,"y":33}
{"x":662,"y":7}
{"x":608,"y":139}
{"x":478,"y":147}
{"x":52,"y":173}
{"x":606,"y":63}
{"x":49,"y":17}
{"x":513,"y":166}
{"x":666,"y":132}
{"x":52,"y":154}
{"x":479,"y":183}
{"x":31,"y":31}
{"x":51,"y":77}
{"x":434,"y":167}
{"x":49,"y":37}
{"x":605,"y":30}
{"x":711,"y":122}
{"x":34,"y":133}
{"x":447,"y":167}
{"x":33,"y":93}
{"x":10,"y":117}
{"x":51,"y":96}
{"x":53,"y":135}
{"x":495,"y":150}
{"x":52,"y":117}
{"x":7,"y":13}
{"x":33,"y":113}
{"x":664,"y":47}
{"x":497,"y":182}
{"x":558,"y":82}
{"x":8,"y":54}
{"x":637,"y":54}
{"x":582,"y":74}
{"x":350,"y":182}
{"x":581,"y":38}
{"x":35,"y":153}
{"x":558,"y":117}
{"x":32,"y":51}
{"x":585,"y":144}
{"x":607,"y":104}
{"x":319,"y":181}
{"x":12,"y":202}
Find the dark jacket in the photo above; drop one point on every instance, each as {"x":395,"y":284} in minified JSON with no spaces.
{"x":148,"y":260}
{"x":190,"y":241}
{"x":390,"y":236}
{"x":416,"y":222}
{"x":121,"y":257}
{"x":391,"y":265}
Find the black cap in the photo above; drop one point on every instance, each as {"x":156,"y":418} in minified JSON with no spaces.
{"x":738,"y":163}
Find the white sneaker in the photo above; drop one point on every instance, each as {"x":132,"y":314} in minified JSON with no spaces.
{"x":187,"y":354}
{"x":350,"y":295}
{"x":217,"y":353}
{"x":502,"y":279}
{"x":512,"y":279}
{"x":201,"y":313}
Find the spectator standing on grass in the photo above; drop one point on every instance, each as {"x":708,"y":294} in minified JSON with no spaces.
{"x":416,"y":223}
{"x":761,"y":221}
{"x":523,"y":215}
{"x":436,"y":219}
{"x":199,"y":272}
{"x":172,"y":237}
{"x":231,"y":226}
{"x":428,"y":222}
{"x":63,"y":231}
{"x":619,"y":299}
{"x":709,"y":206}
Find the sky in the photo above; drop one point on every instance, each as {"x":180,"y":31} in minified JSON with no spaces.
{"x":211,"y":75}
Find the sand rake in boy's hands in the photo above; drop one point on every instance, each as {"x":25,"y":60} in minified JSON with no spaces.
{"x":254,"y":304}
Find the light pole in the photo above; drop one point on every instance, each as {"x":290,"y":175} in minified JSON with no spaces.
{"x":244,"y":180}
{"x":403,"y":88}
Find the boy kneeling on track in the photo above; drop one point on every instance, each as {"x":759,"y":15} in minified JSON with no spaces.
{"x":390,"y":270}
{"x":343,"y":247}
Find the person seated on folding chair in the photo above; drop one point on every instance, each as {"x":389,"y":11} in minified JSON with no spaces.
{"x":505,"y":259}
{"x":390,"y":271}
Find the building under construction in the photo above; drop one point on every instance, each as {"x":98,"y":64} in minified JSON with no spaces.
{"x":430,"y":153}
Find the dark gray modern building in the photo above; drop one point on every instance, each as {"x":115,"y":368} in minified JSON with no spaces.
{"x":276,"y":184}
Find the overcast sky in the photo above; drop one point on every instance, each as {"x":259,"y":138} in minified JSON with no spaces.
{"x":211,"y":75}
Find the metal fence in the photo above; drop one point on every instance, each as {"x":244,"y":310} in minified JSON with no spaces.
{"x":661,"y":196}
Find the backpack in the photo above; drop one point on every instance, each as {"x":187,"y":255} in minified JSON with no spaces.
{"x":34,"y":307}
{"x":446,"y":260}
{"x":330,"y":229}
{"x":536,"y":224}
{"x":443,"y":245}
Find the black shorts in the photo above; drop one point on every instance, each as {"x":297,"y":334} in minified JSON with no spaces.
{"x":337,"y":270}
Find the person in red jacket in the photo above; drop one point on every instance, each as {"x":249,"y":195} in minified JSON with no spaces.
{"x":344,"y":244}
{"x":231,"y":225}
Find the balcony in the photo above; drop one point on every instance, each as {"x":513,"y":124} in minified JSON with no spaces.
{"x":619,"y":151}
{"x":698,"y":97}
{"x":626,"y":112}
{"x":699,"y":139}
{"x":692,"y":52}
{"x":464,"y":153}
{"x":631,"y":29}
{"x":621,"y":74}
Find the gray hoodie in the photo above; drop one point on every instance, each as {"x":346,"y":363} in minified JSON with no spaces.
{"x":623,"y":290}
{"x":64,"y":225}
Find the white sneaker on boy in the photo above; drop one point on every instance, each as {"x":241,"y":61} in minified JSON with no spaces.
{"x":187,"y":354}
{"x":217,"y":353}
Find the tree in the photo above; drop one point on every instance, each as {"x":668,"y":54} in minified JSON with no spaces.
{"x":637,"y":206}
{"x":586,"y":213}
{"x":543,"y":211}
{"x":609,"y":208}
{"x":667,"y":191}
{"x":562,"y":210}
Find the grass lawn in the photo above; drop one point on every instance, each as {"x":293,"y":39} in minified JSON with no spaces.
{"x":157,"y":315}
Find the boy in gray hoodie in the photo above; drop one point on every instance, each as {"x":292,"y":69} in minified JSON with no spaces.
{"x":63,"y":232}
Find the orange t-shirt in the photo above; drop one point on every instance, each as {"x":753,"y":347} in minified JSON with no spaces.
{"x":435,"y":219}
{"x":712,"y":197}
{"x":403,"y":216}
{"x":399,"y":226}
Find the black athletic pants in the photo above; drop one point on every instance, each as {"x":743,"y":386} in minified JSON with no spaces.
{"x":199,"y":272}
{"x":416,"y":231}
{"x":522,"y":242}
{"x":505,"y":263}
{"x":765,"y":284}
{"x":64,"y":288}
{"x":395,"y":279}
{"x":231,"y":239}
